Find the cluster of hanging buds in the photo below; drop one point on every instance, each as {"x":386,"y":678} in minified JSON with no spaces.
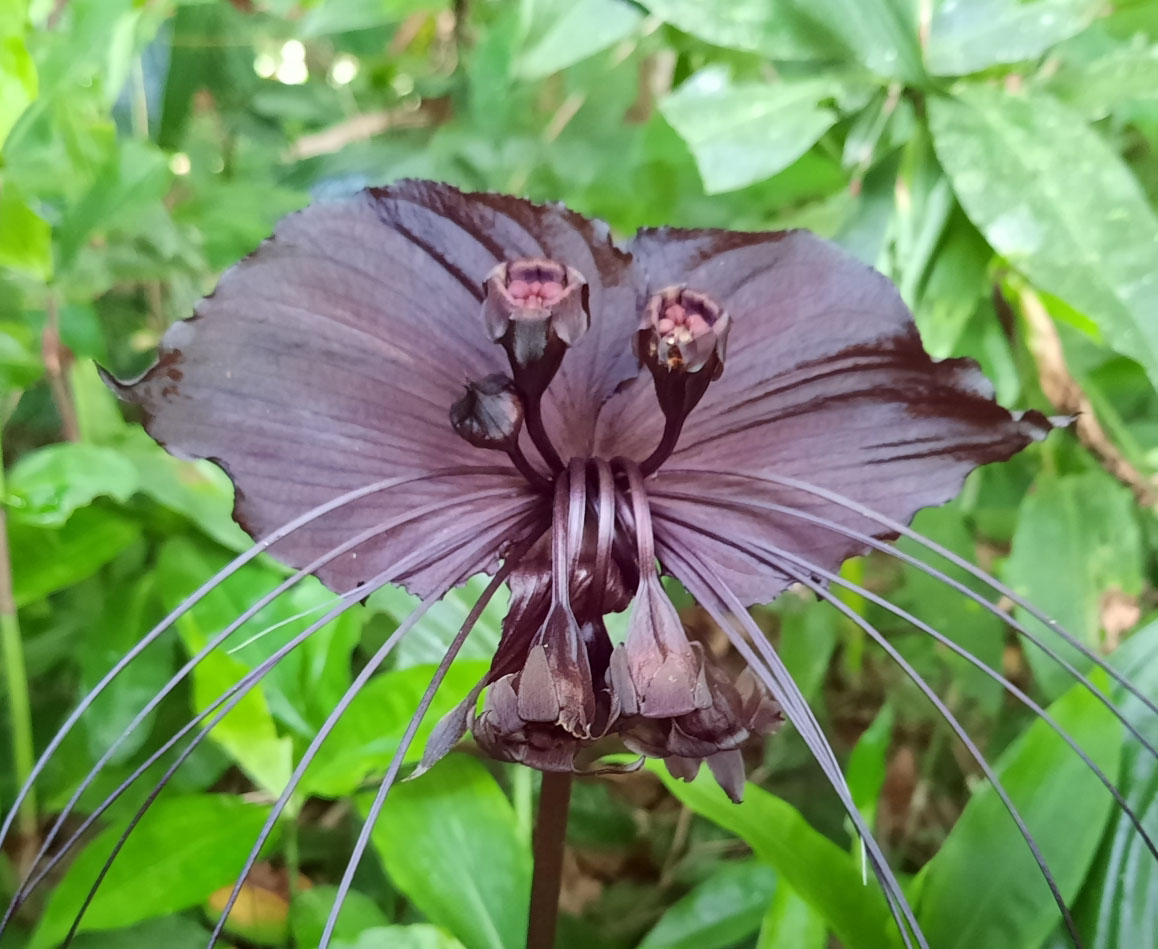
{"x":738,"y":411}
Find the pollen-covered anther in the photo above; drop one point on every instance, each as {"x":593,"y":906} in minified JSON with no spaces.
{"x":683,"y":330}
{"x":489,"y":414}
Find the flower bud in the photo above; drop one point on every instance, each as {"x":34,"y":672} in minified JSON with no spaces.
{"x":489,"y":414}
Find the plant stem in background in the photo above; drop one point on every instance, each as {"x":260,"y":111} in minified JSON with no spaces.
{"x":16,"y":679}
{"x":550,"y":834}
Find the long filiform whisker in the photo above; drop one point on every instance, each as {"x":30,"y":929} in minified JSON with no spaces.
{"x":200,"y":593}
{"x":230,"y":698}
{"x":958,"y":561}
{"x":718,"y":600}
{"x":941,"y":577}
{"x":412,"y":727}
{"x":452,"y":577}
{"x":781,"y":562}
{"x":213,"y":643}
{"x":815,"y":570}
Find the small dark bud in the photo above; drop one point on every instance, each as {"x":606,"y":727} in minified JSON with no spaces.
{"x":683,"y":331}
{"x":489,"y":414}
{"x":535,"y":309}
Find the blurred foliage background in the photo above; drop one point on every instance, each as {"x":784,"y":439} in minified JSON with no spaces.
{"x":996,"y":158}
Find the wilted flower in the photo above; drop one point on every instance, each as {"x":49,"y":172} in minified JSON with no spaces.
{"x":741,"y":411}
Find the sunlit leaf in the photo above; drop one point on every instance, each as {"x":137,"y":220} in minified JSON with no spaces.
{"x":415,"y":936}
{"x":312,"y":906}
{"x":1055,"y":200}
{"x":450,"y":842}
{"x":582,"y":29}
{"x":1116,"y":908}
{"x":25,"y":237}
{"x":721,"y":910}
{"x":790,"y":923}
{"x":1082,"y":528}
{"x":970,"y":35}
{"x":822,"y":874}
{"x":740,"y":133}
{"x":46,"y":486}
{"x":1126,"y":75}
{"x":367,"y":736}
{"x":1009,"y":903}
{"x":183,"y":850}
{"x":18,"y":84}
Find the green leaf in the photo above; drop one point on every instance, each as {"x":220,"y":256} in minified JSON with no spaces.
{"x":1127,"y":74}
{"x":48,"y":485}
{"x":171,"y":932}
{"x":1116,"y":908}
{"x":248,"y":732}
{"x":428,"y":641}
{"x":970,"y":35}
{"x":1054,"y":199}
{"x":722,"y":910}
{"x":451,"y":843}
{"x":761,"y":26}
{"x":1082,"y":528}
{"x":1009,"y":903}
{"x":366,"y":737}
{"x":25,"y":237}
{"x":18,"y":85}
{"x":19,"y":365}
{"x":416,"y":936}
{"x":583,"y":29}
{"x":865,"y":772}
{"x":740,"y":133}
{"x":790,"y":923}
{"x":53,"y":558}
{"x":199,"y":490}
{"x":823,"y":875}
{"x":182,"y":850}
{"x":311,"y":908}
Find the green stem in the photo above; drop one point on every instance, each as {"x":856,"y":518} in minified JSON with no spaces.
{"x":15,"y":674}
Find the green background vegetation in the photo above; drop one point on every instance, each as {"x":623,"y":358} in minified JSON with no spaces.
{"x":995,"y":158}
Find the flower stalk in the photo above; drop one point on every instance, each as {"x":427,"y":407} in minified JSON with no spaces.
{"x":549,"y":839}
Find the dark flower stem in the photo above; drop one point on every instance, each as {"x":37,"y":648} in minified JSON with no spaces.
{"x":550,"y":833}
{"x":671,"y":434}
{"x":538,"y":433}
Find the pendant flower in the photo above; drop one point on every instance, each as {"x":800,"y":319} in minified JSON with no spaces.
{"x":417,"y":384}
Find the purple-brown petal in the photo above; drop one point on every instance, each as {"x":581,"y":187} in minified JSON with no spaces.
{"x":826,"y":382}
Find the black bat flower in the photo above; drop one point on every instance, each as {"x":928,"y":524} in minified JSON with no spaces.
{"x":417,"y":384}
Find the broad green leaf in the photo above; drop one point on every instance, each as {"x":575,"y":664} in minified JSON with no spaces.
{"x":312,"y":907}
{"x":762,"y":26}
{"x":721,"y":910}
{"x":19,"y":365}
{"x":182,"y":850}
{"x":169,"y":932}
{"x":114,"y":627}
{"x":790,"y":923}
{"x":822,"y":874}
{"x":1082,"y":528}
{"x":741,"y":133}
{"x":1116,"y":908}
{"x":199,"y":490}
{"x":451,"y":843}
{"x":868,"y":763}
{"x":25,"y":237}
{"x":366,"y":737}
{"x":416,"y":936}
{"x":429,"y":639}
{"x":880,"y":35}
{"x":970,"y":35}
{"x":583,"y":29}
{"x":46,"y":486}
{"x":1125,"y":75}
{"x":1009,"y":904}
{"x":53,"y":558}
{"x":1058,"y":203}
{"x":18,"y":86}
